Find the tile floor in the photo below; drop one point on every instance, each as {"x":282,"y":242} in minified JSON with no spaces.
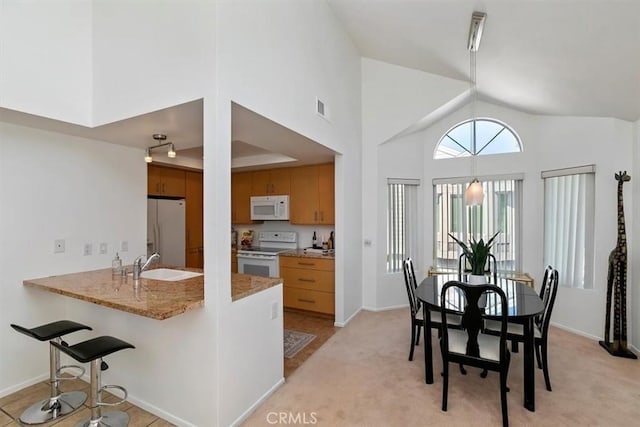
{"x":13,"y":405}
{"x":312,"y":323}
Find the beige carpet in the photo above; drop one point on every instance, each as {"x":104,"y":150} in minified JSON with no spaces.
{"x":361,"y":377}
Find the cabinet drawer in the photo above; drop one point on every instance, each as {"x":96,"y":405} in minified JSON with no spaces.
{"x":302,"y":278}
{"x":307,"y":262}
{"x":304,"y":299}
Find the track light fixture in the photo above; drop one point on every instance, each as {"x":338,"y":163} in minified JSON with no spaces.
{"x":160,"y":137}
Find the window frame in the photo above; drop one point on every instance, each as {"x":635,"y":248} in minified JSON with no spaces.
{"x":472,"y":145}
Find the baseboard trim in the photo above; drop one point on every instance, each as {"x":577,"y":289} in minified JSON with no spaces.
{"x":392,"y":307}
{"x":343,"y":324}
{"x":257,"y":403}
{"x":143,"y":404}
{"x":12,"y":389}
{"x":159,"y":412}
{"x":576,"y":331}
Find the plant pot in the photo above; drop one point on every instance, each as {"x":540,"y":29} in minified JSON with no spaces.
{"x":477,"y":279}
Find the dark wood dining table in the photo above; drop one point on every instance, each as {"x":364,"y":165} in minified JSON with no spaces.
{"x":524,"y":305}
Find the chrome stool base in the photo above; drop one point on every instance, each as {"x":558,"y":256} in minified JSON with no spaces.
{"x":48,"y":409}
{"x":110,"y":419}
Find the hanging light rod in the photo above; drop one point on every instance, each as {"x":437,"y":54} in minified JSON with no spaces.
{"x":159,"y":137}
{"x":475,"y":30}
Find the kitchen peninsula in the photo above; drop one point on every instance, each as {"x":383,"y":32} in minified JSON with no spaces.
{"x":156,"y":299}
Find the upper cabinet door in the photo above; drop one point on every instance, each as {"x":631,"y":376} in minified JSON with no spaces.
{"x":240,"y":198}
{"x":326,"y":194}
{"x":280,"y":181}
{"x":165,"y":181}
{"x":271,"y":182}
{"x":260,"y":183}
{"x":303,"y":205}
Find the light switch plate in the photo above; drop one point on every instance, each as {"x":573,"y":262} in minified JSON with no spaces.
{"x":103,"y":248}
{"x":274,"y":310}
{"x":124,"y":246}
{"x":88,"y":249}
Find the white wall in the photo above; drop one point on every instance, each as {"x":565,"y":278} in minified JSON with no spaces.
{"x":549,"y":143}
{"x":45,"y":58}
{"x":55,"y":186}
{"x":274,"y":58}
{"x":393,"y":99}
{"x":149,"y":55}
{"x":403,"y":158}
{"x":138,"y":68}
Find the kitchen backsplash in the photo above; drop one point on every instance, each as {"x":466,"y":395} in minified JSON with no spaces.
{"x":305,"y":232}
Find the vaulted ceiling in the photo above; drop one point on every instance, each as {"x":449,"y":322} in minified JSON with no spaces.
{"x":559,"y":57}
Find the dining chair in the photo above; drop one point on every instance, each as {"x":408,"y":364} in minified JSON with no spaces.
{"x":417,"y":320}
{"x":463,"y":270}
{"x":543,"y":296}
{"x":515,"y":331}
{"x":469,"y":346}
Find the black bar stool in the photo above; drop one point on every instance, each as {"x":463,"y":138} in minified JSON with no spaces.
{"x":93,"y":351}
{"x":58,"y":404}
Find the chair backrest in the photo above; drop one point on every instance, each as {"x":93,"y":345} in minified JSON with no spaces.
{"x":472,"y":316}
{"x":411,"y":285}
{"x":545,"y":281}
{"x":491,"y":260}
{"x":549,"y":300}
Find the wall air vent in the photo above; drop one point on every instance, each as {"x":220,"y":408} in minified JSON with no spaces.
{"x":321,"y":109}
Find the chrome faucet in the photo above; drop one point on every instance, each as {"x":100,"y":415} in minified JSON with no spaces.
{"x":138,"y":267}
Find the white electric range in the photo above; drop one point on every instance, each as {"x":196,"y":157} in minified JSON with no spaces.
{"x":262,"y":260}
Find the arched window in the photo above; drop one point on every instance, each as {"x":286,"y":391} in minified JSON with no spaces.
{"x":478,"y":137}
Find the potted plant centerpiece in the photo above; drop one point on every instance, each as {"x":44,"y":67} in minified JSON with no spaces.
{"x":476,"y":254}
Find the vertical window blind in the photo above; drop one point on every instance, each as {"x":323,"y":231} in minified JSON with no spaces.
{"x":402,"y":221}
{"x":500,"y":210}
{"x":569,"y":208}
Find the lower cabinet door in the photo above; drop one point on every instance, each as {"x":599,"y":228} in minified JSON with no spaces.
{"x":322,"y":302}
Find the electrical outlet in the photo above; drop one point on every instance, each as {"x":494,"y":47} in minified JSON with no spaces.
{"x":103,"y":248}
{"x":58,"y":246}
{"x":124,"y":246}
{"x":368,"y":242}
{"x":88,"y":249}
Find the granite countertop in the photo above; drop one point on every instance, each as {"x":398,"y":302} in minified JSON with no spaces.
{"x":301,"y":253}
{"x":243,"y":285}
{"x":156,"y":299}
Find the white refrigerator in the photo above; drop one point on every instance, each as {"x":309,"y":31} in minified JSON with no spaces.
{"x":166,"y":230}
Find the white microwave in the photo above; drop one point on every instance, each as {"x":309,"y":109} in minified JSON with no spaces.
{"x":270,"y":208}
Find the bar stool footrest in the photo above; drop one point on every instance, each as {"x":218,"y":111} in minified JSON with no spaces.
{"x":75,"y":377}
{"x":109,"y":386}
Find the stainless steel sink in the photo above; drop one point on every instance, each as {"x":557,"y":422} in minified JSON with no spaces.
{"x":168,"y":274}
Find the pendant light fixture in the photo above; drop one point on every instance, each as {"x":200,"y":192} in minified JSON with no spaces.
{"x":474,"y":194}
{"x":160,"y":137}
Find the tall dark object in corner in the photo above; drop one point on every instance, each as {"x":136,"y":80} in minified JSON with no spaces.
{"x":617,"y":283}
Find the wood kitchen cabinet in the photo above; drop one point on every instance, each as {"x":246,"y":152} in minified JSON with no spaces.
{"x":240,"y":198}
{"x":234,"y":262}
{"x":312,"y":195}
{"x":194,"y":220}
{"x":309,"y":283}
{"x":165,"y":181}
{"x":271,"y":182}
